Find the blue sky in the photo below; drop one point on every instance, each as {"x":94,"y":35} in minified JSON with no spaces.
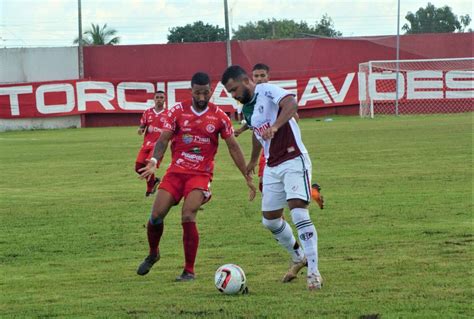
{"x":39,"y":23}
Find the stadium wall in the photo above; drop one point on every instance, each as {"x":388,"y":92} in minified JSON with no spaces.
{"x":25,"y":65}
{"x":321,"y":71}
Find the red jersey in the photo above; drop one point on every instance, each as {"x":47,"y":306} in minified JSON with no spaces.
{"x":153,"y":122}
{"x":196,"y":137}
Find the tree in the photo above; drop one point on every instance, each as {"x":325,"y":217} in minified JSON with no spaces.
{"x":285,"y":29}
{"x":196,"y":32}
{"x":435,"y":20}
{"x":97,"y":35}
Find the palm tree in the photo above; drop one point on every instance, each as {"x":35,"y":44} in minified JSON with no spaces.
{"x":99,"y":36}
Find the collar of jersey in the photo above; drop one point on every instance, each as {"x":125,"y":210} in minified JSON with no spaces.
{"x":247,"y":109}
{"x":159,"y":111}
{"x":199,"y":113}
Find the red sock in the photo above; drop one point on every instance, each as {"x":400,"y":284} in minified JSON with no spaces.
{"x":190,"y":244}
{"x":154,"y":233}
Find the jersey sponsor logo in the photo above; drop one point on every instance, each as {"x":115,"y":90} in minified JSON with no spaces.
{"x":187,"y":138}
{"x":202,"y":140}
{"x":196,"y":150}
{"x":210,"y":128}
{"x":259,"y":130}
{"x":192,"y":157}
{"x":306,"y":236}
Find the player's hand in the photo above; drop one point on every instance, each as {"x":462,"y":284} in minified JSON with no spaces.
{"x":250,"y":170}
{"x":147,"y":171}
{"x":140,"y":131}
{"x":251,"y":186}
{"x":237,"y":133}
{"x":269,"y":133}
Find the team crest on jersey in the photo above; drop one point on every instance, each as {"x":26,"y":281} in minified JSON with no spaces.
{"x":210,"y":128}
{"x":187,"y":138}
{"x":269,"y":94}
{"x":162,"y":119}
{"x":260,"y":108}
{"x":185,"y":123}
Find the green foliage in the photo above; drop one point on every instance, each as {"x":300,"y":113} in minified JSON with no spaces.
{"x":196,"y":32}
{"x":98,"y":35}
{"x":435,"y":20}
{"x":395,"y":238}
{"x":285,"y":29}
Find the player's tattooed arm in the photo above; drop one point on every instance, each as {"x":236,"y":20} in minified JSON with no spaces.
{"x":160,"y":148}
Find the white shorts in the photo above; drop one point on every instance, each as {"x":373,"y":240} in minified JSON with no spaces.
{"x":289,"y":180}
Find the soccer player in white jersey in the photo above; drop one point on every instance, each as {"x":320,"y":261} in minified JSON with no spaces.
{"x":269,"y":111}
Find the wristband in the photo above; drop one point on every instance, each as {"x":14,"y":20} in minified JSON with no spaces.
{"x":154,"y":160}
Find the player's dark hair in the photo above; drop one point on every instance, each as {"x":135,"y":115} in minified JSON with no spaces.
{"x":160,"y":91}
{"x":200,"y":78}
{"x":261,"y":66}
{"x":234,"y":72}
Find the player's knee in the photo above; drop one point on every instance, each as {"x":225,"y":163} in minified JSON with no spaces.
{"x":297,"y":203}
{"x":299,"y":215}
{"x":188,"y":216}
{"x":272,"y":224}
{"x":156,"y":220}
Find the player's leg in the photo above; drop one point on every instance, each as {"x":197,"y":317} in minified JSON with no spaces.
{"x":273,"y":201}
{"x":168,"y":195}
{"x":297,"y":182}
{"x":197,"y":192}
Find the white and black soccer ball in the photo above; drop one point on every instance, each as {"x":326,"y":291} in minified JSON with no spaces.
{"x":230,"y":280}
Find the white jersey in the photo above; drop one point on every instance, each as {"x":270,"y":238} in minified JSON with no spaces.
{"x":261,"y":113}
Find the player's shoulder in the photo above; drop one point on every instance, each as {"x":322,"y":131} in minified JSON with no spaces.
{"x":177,"y":108}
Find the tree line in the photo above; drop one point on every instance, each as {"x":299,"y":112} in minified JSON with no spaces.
{"x":425,"y":20}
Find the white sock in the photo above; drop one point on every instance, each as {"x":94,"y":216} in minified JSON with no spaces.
{"x":282,"y":232}
{"x":308,"y":237}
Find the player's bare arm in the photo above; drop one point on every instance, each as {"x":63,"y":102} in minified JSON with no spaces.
{"x":238,"y":157}
{"x":256,"y":150}
{"x":288,"y":106}
{"x":159,"y":151}
{"x":141,"y":130}
{"x":240,"y":130}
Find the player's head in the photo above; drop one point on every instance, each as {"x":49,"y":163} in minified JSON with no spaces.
{"x":201,"y":89}
{"x":238,"y":83}
{"x":159,"y":98}
{"x":260,"y":73}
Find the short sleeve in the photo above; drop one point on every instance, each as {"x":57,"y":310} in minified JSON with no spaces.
{"x":143,"y":119}
{"x":170,"y":118}
{"x":227,"y":129}
{"x":276,"y":93}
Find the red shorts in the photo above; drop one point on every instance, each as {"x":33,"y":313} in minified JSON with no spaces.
{"x":145,"y":153}
{"x":180,"y":185}
{"x":261,"y":165}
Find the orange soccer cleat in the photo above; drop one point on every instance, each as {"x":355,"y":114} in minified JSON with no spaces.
{"x":316,"y":195}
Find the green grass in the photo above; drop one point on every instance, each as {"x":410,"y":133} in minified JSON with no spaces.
{"x":395,"y":239}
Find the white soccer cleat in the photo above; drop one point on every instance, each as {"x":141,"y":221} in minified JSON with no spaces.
{"x":315,"y":282}
{"x":295,"y":267}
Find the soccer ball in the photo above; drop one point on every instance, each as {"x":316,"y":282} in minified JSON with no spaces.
{"x":230,"y":280}
{"x":243,"y":122}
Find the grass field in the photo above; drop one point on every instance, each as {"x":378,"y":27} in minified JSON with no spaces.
{"x":395,"y":239}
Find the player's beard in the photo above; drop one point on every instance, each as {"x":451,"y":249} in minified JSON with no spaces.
{"x":246,"y":97}
{"x":200,"y":104}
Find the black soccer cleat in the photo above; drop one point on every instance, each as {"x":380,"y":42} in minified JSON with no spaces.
{"x":146,"y":265}
{"x":185,"y":276}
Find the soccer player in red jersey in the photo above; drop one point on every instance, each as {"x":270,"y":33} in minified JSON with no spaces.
{"x":151,"y":125}
{"x":193,"y":127}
